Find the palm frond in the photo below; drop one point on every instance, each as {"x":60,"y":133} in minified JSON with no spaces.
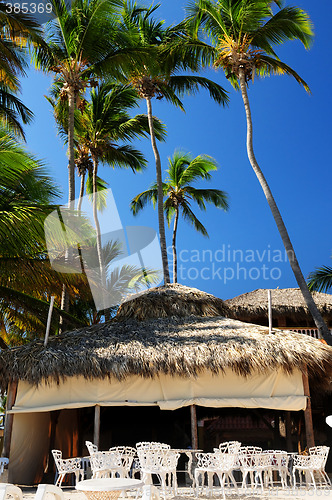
{"x":320,"y":280}
{"x":190,"y":217}
{"x":216,"y":197}
{"x":289,"y":23}
{"x":190,"y":84}
{"x":142,"y":199}
{"x":267,"y":66}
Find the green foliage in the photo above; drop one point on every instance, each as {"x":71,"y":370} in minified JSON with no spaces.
{"x":166,"y":56}
{"x":183,"y":171}
{"x":17,"y":32}
{"x":320,"y":280}
{"x":243,"y":33}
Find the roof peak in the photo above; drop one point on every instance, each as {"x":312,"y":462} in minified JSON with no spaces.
{"x":172,"y":300}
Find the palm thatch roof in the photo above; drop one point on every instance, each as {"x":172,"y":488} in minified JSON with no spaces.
{"x":184,"y":345}
{"x":285,"y":302}
{"x":172,"y":300}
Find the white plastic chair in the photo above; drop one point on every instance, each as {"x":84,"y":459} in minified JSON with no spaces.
{"x":92,"y":448}
{"x":248,"y":464}
{"x":66,"y":466}
{"x":127,"y":454}
{"x":227,"y":464}
{"x":161,"y":462}
{"x":322,"y":451}
{"x":311,"y":464}
{"x":229,"y":447}
{"x":3,"y":461}
{"x":207,"y":465}
{"x":7,"y":489}
{"x":42,"y":490}
{"x":152,"y":444}
{"x":279,"y":463}
{"x":106,"y":464}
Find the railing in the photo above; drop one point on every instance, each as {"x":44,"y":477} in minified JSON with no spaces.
{"x":313,"y":332}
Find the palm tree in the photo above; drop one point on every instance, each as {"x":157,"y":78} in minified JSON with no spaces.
{"x":85,"y":41}
{"x":17,"y":31}
{"x":157,"y":75}
{"x":104,"y":124}
{"x":320,"y":280}
{"x":27,"y":280}
{"x":179,"y":193}
{"x":79,"y":44}
{"x":242,"y":35}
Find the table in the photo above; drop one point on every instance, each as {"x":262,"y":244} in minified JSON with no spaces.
{"x":107,"y":488}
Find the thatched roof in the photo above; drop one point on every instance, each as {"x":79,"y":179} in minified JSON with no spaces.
{"x":183,"y":346}
{"x":173,"y":300}
{"x":285,"y":302}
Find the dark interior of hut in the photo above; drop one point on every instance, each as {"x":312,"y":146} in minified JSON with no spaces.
{"x":270,"y":429}
{"x":119,"y":425}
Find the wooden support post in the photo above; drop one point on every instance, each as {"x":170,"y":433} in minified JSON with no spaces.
{"x":96,"y":432}
{"x":269,"y":302}
{"x":54,"y":417}
{"x":194,"y":432}
{"x":309,"y":429}
{"x":11,"y":397}
{"x":288,"y":425}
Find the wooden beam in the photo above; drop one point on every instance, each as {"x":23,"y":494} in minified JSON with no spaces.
{"x":54,"y":417}
{"x":288,"y":425}
{"x":269,"y":305}
{"x":7,"y":435}
{"x":309,"y":429}
{"x":96,"y":431}
{"x":194,"y":432}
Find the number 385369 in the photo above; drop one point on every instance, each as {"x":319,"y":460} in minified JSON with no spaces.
{"x":29,"y":8}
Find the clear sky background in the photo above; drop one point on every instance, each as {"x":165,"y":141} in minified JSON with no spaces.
{"x":292,"y":141}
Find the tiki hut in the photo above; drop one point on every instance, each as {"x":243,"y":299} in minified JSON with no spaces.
{"x":288,"y":307}
{"x":170,"y":348}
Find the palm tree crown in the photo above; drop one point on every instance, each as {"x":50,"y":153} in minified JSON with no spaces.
{"x":102,"y":129}
{"x":179,"y":193}
{"x":242,"y":35}
{"x":158,"y":75}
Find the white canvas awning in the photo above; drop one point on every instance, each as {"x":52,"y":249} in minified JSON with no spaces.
{"x":274,"y":390}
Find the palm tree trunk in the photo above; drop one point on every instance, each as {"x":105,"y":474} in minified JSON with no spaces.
{"x":98,"y":232}
{"x":79,"y":208}
{"x":80,"y":199}
{"x":160,"y":204}
{"x":323,"y":331}
{"x":71,"y":192}
{"x":175,"y":258}
{"x":71,"y":157}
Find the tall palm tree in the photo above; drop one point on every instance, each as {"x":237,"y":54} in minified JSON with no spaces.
{"x":320,"y":280}
{"x":105,"y":128}
{"x":82,"y":43}
{"x":157,"y":75}
{"x":79,"y":44}
{"x":183,"y":170}
{"x":17,"y":31}
{"x":27,"y":280}
{"x":242,"y":35}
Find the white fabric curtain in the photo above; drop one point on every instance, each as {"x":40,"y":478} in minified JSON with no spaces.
{"x":274,"y":390}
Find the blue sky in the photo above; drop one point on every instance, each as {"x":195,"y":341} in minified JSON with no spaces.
{"x":292,"y":141}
